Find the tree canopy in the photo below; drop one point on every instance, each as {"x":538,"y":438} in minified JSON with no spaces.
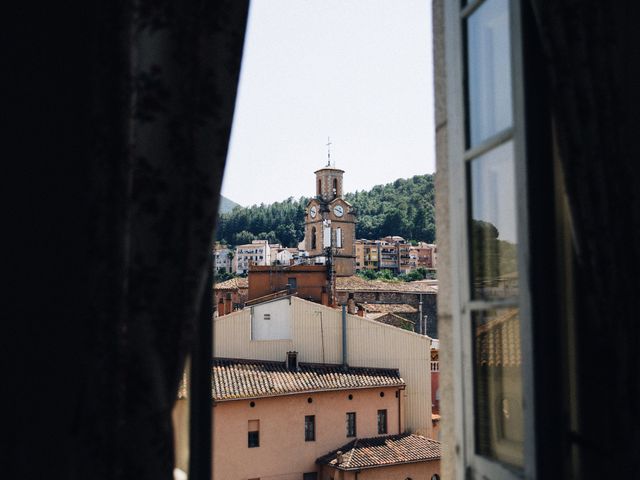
{"x":404,"y":207}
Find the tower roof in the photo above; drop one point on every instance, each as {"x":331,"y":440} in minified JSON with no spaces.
{"x":328,"y":169}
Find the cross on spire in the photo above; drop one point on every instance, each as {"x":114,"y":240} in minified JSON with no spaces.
{"x":328,"y":151}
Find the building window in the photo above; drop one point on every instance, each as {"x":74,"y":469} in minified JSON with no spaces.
{"x":310,"y":476}
{"x":314,"y":241}
{"x":351,"y":424}
{"x":267,"y":316}
{"x":310,"y":428}
{"x":339,"y":237}
{"x":382,"y":421}
{"x":292,"y":284}
{"x":254,"y":434}
{"x":488,"y":163}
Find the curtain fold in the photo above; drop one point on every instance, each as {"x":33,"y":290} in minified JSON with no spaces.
{"x":126,"y":108}
{"x":591,"y":50}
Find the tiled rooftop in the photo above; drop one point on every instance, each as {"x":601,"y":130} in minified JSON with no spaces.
{"x":387,"y":308}
{"x":359,"y":284}
{"x":237,"y":379}
{"x":382,"y":451}
{"x":232,"y":284}
{"x":498,"y":341}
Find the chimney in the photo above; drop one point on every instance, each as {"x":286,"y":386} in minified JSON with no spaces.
{"x":351,"y":305}
{"x":292,"y":361}
{"x":344,"y":335}
{"x":325,"y":297}
{"x":339,"y":457}
{"x":228,"y":304}
{"x":361,"y":312}
{"x":221,"y":307}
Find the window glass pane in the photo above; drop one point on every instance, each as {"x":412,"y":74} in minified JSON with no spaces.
{"x":488,"y":71}
{"x":493,"y":229}
{"x":499,"y":423}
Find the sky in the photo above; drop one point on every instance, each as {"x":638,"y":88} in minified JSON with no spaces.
{"x":357,"y":71}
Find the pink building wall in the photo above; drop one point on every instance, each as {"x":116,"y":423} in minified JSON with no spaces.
{"x":414,"y":471}
{"x":283,"y":452}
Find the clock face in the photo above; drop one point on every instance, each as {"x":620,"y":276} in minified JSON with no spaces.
{"x":338,"y":210}
{"x":313,"y":211}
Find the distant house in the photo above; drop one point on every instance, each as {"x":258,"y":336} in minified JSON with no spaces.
{"x":230,"y":295}
{"x":420,"y":295}
{"x":222,"y":258}
{"x":257,"y":252}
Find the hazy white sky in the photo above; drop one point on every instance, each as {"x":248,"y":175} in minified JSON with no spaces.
{"x":359,"y":71}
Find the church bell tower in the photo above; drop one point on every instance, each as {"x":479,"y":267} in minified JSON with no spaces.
{"x":330,"y":223}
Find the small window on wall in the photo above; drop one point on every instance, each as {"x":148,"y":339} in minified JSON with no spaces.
{"x":267,"y":316}
{"x":382,"y":421}
{"x":314,"y":241}
{"x":254,"y":434}
{"x":351,"y":424}
{"x":310,"y":428}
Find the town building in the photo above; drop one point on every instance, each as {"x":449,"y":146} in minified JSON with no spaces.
{"x":391,"y":253}
{"x":425,"y":255}
{"x":370,"y":295}
{"x":267,"y":331}
{"x":286,"y":366}
{"x":306,"y":281}
{"x":273,"y":419}
{"x":330,"y":224}
{"x":230,"y":295}
{"x":393,"y":457}
{"x":258,"y":252}
{"x":366,"y":255}
{"x":222,"y":258}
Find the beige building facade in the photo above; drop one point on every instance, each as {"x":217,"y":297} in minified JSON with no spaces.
{"x":283,"y":453}
{"x":315,"y":331}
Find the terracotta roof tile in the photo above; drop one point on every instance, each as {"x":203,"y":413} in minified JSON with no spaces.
{"x":359,"y":284}
{"x":383,"y":451}
{"x":498,"y":340}
{"x":387,"y":308}
{"x":236,"y":379}
{"x":232,"y":284}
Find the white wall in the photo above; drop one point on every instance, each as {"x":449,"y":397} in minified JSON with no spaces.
{"x":272,"y":320}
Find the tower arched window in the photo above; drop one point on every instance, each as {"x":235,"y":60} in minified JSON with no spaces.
{"x":319,"y":186}
{"x":335,"y":186}
{"x":313,"y":238}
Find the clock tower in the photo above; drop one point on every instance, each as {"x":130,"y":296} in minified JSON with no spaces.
{"x":330,"y":224}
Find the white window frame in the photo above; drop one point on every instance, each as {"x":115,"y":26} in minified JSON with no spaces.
{"x":469,"y":463}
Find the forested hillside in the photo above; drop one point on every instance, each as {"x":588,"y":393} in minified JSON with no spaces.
{"x":404,"y":207}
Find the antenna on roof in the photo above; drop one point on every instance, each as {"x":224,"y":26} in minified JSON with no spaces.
{"x":329,"y":152}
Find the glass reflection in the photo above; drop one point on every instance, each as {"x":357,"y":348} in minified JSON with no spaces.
{"x":494,"y":267}
{"x":489,"y":71}
{"x":498,"y":384}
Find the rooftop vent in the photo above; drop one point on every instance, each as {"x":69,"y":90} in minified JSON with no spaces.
{"x":292,"y":361}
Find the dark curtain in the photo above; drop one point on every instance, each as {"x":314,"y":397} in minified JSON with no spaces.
{"x":121,"y":114}
{"x":591,"y":50}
